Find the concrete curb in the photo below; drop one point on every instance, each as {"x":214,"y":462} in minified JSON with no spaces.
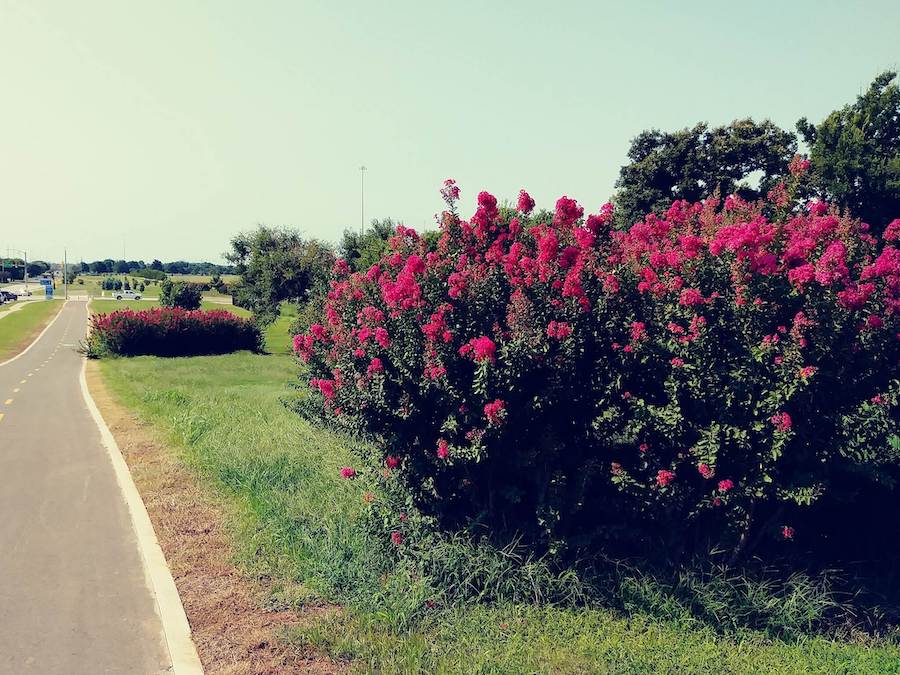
{"x":37,"y":339}
{"x":176,"y":629}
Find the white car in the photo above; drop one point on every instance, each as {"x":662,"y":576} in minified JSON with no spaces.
{"x":128,"y":295}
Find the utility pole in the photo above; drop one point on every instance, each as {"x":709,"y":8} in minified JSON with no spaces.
{"x":362,"y":200}
{"x":66,"y":272}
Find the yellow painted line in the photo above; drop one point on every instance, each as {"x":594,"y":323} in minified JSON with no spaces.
{"x":22,"y":382}
{"x":1,"y":417}
{"x":16,"y":390}
{"x":8,"y":401}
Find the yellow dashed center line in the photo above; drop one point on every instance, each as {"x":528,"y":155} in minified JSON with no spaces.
{"x":1,"y":417}
{"x":8,"y":401}
{"x":16,"y":390}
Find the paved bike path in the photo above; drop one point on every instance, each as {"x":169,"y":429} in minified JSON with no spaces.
{"x":73,"y":593}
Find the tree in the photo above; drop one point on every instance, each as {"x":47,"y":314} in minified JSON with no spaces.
{"x":361,"y":251}
{"x":37,"y":268}
{"x":156,"y":265}
{"x":693,"y":163}
{"x":179,"y":294}
{"x":855,"y":153}
{"x":277,"y":264}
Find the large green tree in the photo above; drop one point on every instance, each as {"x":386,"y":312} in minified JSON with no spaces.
{"x":855,"y":153}
{"x":277,"y":264}
{"x":694,"y":163}
{"x":361,"y":251}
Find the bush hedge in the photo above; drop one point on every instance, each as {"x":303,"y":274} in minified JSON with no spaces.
{"x":164,"y":331}
{"x":706,"y":380}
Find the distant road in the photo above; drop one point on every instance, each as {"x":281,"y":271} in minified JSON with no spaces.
{"x":73,"y":594}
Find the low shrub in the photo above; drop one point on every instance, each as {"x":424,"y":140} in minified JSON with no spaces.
{"x":162,"y":331}
{"x":179,"y":294}
{"x":689,"y":385}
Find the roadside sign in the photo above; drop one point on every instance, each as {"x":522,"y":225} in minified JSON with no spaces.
{"x":48,"y":291}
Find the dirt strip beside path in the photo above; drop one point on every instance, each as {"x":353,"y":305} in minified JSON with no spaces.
{"x":233,"y":633}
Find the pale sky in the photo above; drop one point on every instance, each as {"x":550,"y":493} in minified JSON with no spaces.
{"x":172,"y":125}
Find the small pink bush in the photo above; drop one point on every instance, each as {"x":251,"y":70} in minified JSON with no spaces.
{"x":165,"y":331}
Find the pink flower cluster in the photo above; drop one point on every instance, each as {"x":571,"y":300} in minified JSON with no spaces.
{"x":461,"y":343}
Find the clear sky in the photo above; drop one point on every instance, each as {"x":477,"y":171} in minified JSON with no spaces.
{"x":171,"y":125}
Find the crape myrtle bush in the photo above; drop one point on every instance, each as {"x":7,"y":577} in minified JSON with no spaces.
{"x":164,"y":331}
{"x":695,"y":383}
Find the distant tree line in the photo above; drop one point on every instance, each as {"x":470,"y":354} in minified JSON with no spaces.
{"x":156,"y":269}
{"x":13,"y":269}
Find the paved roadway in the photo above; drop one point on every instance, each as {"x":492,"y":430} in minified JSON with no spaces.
{"x":73,"y":595}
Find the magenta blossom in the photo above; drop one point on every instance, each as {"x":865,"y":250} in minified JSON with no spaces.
{"x":495,"y":412}
{"x":782,"y":422}
{"x":526,"y":203}
{"x":664,"y":477}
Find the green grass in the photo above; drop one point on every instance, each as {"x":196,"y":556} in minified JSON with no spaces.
{"x":107,"y":306}
{"x":89,"y":284}
{"x":297,"y":523}
{"x":278,"y":340}
{"x":19,"y":328}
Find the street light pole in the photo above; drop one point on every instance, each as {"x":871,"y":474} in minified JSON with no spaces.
{"x":66,"y":272}
{"x":362,"y":200}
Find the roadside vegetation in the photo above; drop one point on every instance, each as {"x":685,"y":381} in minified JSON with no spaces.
{"x":20,"y":328}
{"x":655,"y":438}
{"x":297,"y":522}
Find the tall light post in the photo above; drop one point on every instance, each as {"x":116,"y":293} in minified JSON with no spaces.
{"x":362,"y":200}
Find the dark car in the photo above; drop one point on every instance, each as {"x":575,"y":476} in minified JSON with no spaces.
{"x":7,"y":296}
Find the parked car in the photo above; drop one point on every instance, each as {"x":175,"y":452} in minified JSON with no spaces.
{"x":128,"y":295}
{"x":8,"y":296}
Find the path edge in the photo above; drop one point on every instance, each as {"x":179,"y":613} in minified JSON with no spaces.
{"x":176,"y":629}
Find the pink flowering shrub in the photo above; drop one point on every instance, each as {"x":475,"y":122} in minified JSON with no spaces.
{"x":164,"y":331}
{"x":698,"y":379}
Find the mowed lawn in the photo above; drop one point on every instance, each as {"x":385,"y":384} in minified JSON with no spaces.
{"x":296,"y":522}
{"x":20,"y":328}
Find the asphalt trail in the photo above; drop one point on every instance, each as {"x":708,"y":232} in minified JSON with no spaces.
{"x":73,"y":595}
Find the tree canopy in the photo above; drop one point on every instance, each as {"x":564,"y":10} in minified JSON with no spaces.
{"x":855,"y":153}
{"x":277,"y":264}
{"x":694,"y":163}
{"x":361,"y":251}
